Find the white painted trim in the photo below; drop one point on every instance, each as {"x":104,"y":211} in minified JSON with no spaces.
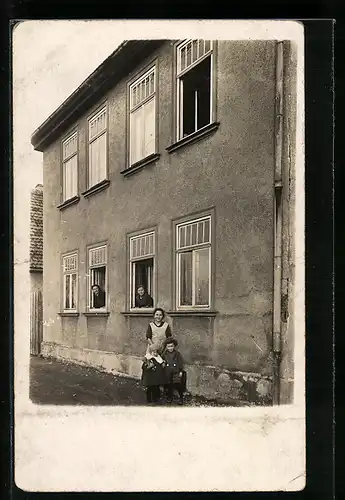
{"x":132,"y":264}
{"x":138,"y":81}
{"x":89,"y":281}
{"x":179,"y":93}
{"x":66,"y":273}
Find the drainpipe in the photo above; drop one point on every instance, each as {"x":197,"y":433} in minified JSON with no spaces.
{"x":278,"y":187}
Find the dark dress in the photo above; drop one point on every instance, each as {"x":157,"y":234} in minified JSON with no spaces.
{"x":153,"y":376}
{"x":153,"y":373}
{"x":99,"y":300}
{"x":144,"y":301}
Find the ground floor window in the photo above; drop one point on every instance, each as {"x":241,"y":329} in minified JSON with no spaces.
{"x":70,"y":282}
{"x":193,"y":263}
{"x":142,"y":270}
{"x":97,"y":278}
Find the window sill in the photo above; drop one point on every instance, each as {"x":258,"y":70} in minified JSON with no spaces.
{"x":196,"y":136}
{"x":140,"y":164}
{"x":186,"y":314}
{"x":96,"y":313}
{"x":69,"y":314}
{"x":96,"y":188}
{"x":146,"y":313}
{"x":68,"y":203}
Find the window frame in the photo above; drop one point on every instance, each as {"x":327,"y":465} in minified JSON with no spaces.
{"x":90,"y":309}
{"x":196,"y":217}
{"x":178,"y":116}
{"x":75,"y":271}
{"x":68,"y":136}
{"x":98,"y":110}
{"x":152,"y":65}
{"x":131,"y":291}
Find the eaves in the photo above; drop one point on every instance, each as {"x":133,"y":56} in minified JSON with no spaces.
{"x":120,"y":63}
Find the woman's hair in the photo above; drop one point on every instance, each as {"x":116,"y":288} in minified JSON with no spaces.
{"x":140,"y":286}
{"x":95,"y":284}
{"x":159,"y":309}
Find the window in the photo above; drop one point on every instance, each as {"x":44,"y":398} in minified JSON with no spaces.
{"x":97,"y":283}
{"x":142,"y":255}
{"x":194,"y":86}
{"x":70,"y":282}
{"x":97,"y":170}
{"x":142,"y":142}
{"x":70,"y":167}
{"x":193,"y":263}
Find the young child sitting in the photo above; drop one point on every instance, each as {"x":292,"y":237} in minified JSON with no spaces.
{"x":174,"y":373}
{"x":153,"y":374}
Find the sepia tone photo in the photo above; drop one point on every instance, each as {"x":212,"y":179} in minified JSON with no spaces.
{"x":164,"y":249}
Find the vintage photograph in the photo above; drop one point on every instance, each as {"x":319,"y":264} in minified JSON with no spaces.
{"x":163,"y":222}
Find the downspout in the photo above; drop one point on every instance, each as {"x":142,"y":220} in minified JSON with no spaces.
{"x":278,"y":234}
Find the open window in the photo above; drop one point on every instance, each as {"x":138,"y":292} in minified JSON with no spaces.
{"x":142,"y":269}
{"x":194,"y":86}
{"x":97,"y":278}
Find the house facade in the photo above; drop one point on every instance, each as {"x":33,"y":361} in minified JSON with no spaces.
{"x":172,"y":167}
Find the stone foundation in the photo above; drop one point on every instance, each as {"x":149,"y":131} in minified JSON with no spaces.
{"x":208,"y":381}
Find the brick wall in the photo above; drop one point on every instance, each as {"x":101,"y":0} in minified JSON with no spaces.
{"x":36,"y":229}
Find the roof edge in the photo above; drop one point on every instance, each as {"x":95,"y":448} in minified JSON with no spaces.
{"x":115,"y":65}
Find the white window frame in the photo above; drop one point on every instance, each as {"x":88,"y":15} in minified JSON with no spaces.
{"x":133,"y":107}
{"x":70,"y":271}
{"x":90,"y":280}
{"x":65,"y":159}
{"x":91,"y":140}
{"x":133,"y":260}
{"x":179,"y":83}
{"x":192,"y":248}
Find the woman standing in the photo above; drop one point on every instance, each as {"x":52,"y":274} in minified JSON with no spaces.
{"x":158,"y":330}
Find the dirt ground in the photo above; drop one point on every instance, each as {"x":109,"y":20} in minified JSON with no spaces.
{"x":61,"y":383}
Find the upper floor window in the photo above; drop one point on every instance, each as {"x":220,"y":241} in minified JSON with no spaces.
{"x":97,"y":282}
{"x":194,"y":86}
{"x":193,"y":263}
{"x":142,"y":98}
{"x":70,"y":167}
{"x":142,"y":269}
{"x":70,"y":282}
{"x":97,"y":170}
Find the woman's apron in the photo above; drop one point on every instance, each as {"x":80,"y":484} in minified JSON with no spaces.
{"x":158,"y":334}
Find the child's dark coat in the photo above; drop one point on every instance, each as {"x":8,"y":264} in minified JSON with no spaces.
{"x":153,"y":376}
{"x":173,"y":366}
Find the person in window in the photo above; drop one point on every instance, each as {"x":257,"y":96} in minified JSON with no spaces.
{"x":158,"y":330}
{"x":143,"y":299}
{"x":98,"y":297}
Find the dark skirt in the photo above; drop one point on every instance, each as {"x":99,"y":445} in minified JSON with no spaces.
{"x":153,"y":376}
